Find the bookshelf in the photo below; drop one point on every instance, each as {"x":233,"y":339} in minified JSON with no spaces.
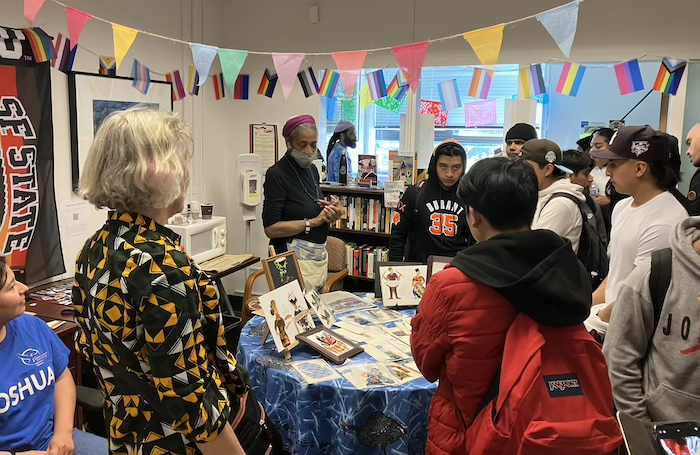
{"x":366,"y":228}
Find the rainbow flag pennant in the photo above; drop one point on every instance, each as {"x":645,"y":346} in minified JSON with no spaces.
{"x":308,"y":81}
{"x":376,"y":84}
{"x":329,"y":84}
{"x":396,"y":90}
{"x":108,"y":66}
{"x":178,"y":88}
{"x":219,"y":86}
{"x":142,"y":77}
{"x":268,"y":84}
{"x":193,"y":81}
{"x":530,"y":82}
{"x":481,"y":84}
{"x":670,"y":75}
{"x":41,"y":44}
{"x":570,"y":79}
{"x":629,"y":77}
{"x":241,"y":89}
{"x":449,"y":95}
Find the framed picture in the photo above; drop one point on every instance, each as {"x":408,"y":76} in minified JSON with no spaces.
{"x":329,"y":344}
{"x":378,"y":282}
{"x":285,"y":320}
{"x":92,"y":97}
{"x":402,"y":285}
{"x":437,"y":264}
{"x":282,"y":269}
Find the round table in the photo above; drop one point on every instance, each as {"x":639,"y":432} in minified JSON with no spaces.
{"x":334,"y":418}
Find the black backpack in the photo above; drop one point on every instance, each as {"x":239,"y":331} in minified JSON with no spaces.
{"x":660,"y":280}
{"x":591,"y":250}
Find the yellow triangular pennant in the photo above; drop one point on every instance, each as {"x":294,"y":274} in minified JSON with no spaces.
{"x":123,"y":39}
{"x":486,"y":43}
{"x":365,"y":97}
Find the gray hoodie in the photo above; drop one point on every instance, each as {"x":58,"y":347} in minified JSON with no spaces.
{"x":656,"y":374}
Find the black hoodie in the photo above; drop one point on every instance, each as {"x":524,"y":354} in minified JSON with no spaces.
{"x":536,"y":271}
{"x":433,"y":221}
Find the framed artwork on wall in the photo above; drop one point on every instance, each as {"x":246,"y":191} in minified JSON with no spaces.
{"x":92,"y":97}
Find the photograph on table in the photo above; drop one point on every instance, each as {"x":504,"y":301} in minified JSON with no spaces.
{"x":437,"y":264}
{"x":402,"y":285}
{"x":401,"y":373}
{"x":302,"y":313}
{"x":322,"y":311}
{"x":278,"y":306}
{"x":282,"y":269}
{"x":344,"y":302}
{"x":329,"y":344}
{"x":378,"y":283}
{"x":385,"y":351}
{"x":314,"y":371}
{"x":369,"y":376}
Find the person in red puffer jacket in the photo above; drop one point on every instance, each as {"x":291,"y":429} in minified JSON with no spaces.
{"x":514,"y":274}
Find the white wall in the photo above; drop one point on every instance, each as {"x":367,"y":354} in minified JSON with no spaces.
{"x":186,"y":19}
{"x":598,"y":100}
{"x":691,"y":118}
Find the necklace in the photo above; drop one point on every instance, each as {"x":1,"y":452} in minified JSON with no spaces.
{"x":318,"y":196}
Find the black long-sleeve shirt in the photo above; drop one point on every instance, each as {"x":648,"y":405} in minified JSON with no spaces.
{"x":291,"y":193}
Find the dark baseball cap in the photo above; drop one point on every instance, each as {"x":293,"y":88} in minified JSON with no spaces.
{"x":641,"y":143}
{"x":543,"y":151}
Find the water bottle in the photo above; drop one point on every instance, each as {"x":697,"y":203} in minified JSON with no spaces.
{"x":343,"y":170}
{"x":593,"y":189}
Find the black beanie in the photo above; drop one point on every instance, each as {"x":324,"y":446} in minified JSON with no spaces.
{"x":521,"y":131}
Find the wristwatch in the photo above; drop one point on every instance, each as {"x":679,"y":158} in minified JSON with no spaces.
{"x":307,"y":229}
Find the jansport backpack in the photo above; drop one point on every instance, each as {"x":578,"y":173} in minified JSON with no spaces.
{"x":554,"y":396}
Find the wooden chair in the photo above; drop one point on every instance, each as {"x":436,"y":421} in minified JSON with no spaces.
{"x":246,"y":313}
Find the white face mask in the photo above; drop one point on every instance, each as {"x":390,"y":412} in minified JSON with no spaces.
{"x":302,"y":159}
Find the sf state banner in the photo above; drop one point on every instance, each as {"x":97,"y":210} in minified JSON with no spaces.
{"x":29,"y":233}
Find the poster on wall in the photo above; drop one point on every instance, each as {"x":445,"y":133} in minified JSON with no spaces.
{"x":29,"y":231}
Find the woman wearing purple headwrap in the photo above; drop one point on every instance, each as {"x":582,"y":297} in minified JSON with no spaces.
{"x":295,"y":215}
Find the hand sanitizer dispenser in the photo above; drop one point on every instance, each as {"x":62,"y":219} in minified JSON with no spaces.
{"x":250,"y":188}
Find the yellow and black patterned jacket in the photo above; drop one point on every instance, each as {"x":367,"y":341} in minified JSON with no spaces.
{"x":136,"y":290}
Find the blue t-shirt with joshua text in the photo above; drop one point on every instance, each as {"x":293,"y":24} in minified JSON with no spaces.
{"x":32,"y":359}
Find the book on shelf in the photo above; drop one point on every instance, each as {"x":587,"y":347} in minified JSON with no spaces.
{"x":361,"y":259}
{"x":402,"y":166}
{"x":365,"y":214}
{"x":367,"y":170}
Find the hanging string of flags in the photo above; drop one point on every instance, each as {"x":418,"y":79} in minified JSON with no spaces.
{"x":560,"y":22}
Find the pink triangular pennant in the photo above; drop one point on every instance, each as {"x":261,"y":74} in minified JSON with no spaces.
{"x":349,"y":65}
{"x":76,"y":21}
{"x":31,"y":9}
{"x":287,"y":67}
{"x":411,"y":58}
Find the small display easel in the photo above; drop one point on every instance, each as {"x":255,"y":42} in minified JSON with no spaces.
{"x":277,"y":277}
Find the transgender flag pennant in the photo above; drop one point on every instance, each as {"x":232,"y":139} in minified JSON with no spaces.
{"x":481,"y":84}
{"x":449,"y":95}
{"x":376,"y":84}
{"x":142,"y":77}
{"x":178,"y":88}
{"x":629,"y":77}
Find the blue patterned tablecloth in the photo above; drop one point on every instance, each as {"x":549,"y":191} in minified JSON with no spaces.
{"x":334,"y":418}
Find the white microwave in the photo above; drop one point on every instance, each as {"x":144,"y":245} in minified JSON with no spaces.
{"x":203,"y":239}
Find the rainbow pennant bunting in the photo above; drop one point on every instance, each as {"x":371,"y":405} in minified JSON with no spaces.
{"x":629,"y":77}
{"x":449,"y":95}
{"x":396,"y":90}
{"x":219,"y":86}
{"x":108,"y":66}
{"x":178,"y":88}
{"x":241,"y":89}
{"x":142,"y":77}
{"x":193,"y":81}
{"x":481,"y":83}
{"x":570,"y":79}
{"x":670,"y":75}
{"x":376,"y":84}
{"x":530,"y":82}
{"x":268,"y":84}
{"x":329,"y":84}
{"x":41,"y":44}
